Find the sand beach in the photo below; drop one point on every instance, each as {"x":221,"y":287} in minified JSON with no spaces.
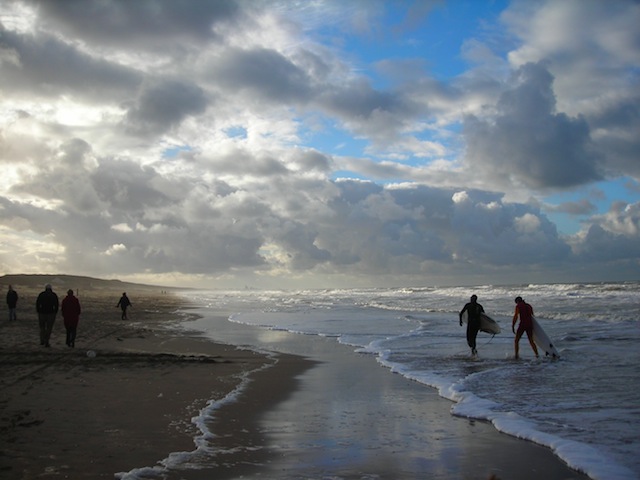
{"x":67,"y":414}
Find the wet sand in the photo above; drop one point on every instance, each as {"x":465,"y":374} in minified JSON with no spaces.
{"x":318,"y":411}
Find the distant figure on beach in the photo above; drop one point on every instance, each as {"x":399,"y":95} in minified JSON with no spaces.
{"x":525,"y":312}
{"x":70,"y":309}
{"x":12,"y":303}
{"x":123,"y":303}
{"x":47,"y":308}
{"x":473,"y":309}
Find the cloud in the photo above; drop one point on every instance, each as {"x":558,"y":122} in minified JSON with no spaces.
{"x":581,"y":207}
{"x":150,"y":24}
{"x":615,"y":124}
{"x":592,"y":49}
{"x":260,"y":72}
{"x":162,"y":104}
{"x":612,"y":236}
{"x":527,"y":141}
{"x":198,"y":139}
{"x":43,"y":66}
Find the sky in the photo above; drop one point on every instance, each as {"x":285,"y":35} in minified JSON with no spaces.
{"x":320,"y":144}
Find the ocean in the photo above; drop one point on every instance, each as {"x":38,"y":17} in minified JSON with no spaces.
{"x":584,"y":406}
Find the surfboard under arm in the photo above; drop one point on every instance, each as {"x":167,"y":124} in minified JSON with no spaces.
{"x":487,"y":324}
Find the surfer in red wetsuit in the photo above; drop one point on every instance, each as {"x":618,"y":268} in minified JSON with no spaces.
{"x":525,"y":312}
{"x":473,"y":309}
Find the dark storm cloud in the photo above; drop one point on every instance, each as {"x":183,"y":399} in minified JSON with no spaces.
{"x":618,"y":123}
{"x":162,"y":104}
{"x":128,"y":187}
{"x":360,"y":100}
{"x":528,"y":141}
{"x":45,"y":66}
{"x":377,"y":115}
{"x":261,"y":72}
{"x":150,"y":24}
{"x":304,"y":81}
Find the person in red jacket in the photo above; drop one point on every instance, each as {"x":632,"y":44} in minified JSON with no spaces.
{"x":71,"y":314}
{"x":525,"y":312}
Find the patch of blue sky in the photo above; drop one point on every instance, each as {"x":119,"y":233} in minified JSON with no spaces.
{"x":435,"y":36}
{"x":236,"y":132}
{"x":601,"y":194}
{"x":334,"y":141}
{"x":624,"y":189}
{"x":174,"y":150}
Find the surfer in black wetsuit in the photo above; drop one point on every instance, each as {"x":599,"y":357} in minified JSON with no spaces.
{"x":473,"y":309}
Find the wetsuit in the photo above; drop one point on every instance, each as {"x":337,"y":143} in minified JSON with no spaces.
{"x":526,"y":322}
{"x":473,"y":322}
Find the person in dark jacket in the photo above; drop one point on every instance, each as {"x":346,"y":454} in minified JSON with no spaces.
{"x":123,"y":303}
{"x":12,"y":303}
{"x":47,"y":308}
{"x":70,"y":309}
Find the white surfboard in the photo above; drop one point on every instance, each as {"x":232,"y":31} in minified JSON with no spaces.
{"x":543,"y":341}
{"x":487,"y":324}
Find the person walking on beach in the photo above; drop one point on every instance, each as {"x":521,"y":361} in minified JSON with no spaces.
{"x":525,"y":312}
{"x":47,"y":308}
{"x":123,"y":303}
{"x":70,"y":309}
{"x":12,"y":303}
{"x":473,"y":309}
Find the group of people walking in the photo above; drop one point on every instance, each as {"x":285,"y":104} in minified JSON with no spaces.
{"x":523,"y":312}
{"x":47,"y":307}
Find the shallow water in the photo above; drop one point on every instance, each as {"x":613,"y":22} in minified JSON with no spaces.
{"x":585,"y":406}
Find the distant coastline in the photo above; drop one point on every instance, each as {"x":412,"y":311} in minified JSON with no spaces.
{"x":64,"y":281}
